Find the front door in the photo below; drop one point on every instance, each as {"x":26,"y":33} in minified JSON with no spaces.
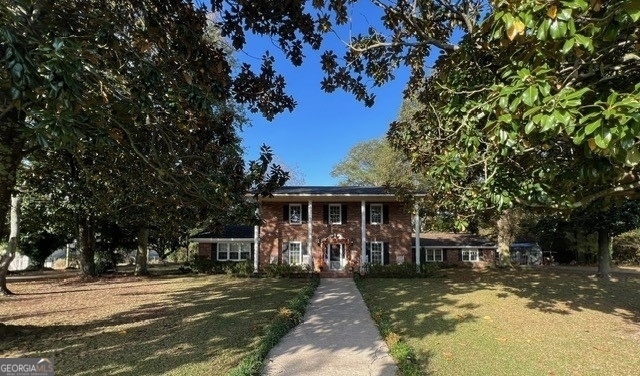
{"x":335,"y":255}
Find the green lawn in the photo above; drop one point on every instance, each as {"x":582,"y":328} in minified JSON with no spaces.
{"x":173,"y":325}
{"x":542,"y":322}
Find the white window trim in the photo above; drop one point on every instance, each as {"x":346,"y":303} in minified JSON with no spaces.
{"x":433,"y":250}
{"x":371,"y":221}
{"x":227,"y":250}
{"x":381,"y":252}
{"x":473,"y":255}
{"x":339,"y":222}
{"x":289,"y":252}
{"x":299,"y":206}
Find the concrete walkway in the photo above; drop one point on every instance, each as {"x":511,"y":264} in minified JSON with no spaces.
{"x":337,"y":337}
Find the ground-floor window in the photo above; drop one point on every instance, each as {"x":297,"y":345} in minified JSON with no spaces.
{"x":376,"y":253}
{"x":433,"y":255}
{"x":234,"y":251}
{"x":292,"y":252}
{"x":470,"y":255}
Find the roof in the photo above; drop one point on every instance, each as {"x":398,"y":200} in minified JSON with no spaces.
{"x":332,"y":190}
{"x":451,"y":240}
{"x":328,"y":193}
{"x":227,"y":232}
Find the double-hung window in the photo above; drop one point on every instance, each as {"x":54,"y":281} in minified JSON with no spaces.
{"x":470,"y":255}
{"x":295,"y":214}
{"x":376,"y":253}
{"x":293,"y":253}
{"x":433,"y":255}
{"x":335,"y":214}
{"x":375,"y":214}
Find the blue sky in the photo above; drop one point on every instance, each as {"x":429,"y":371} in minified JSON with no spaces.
{"x":323,"y":127}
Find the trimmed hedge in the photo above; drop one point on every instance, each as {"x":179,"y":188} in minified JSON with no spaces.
{"x":204,"y":265}
{"x":404,"y":270}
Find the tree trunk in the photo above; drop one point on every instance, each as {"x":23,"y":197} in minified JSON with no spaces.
{"x":141,"y":254}
{"x":604,"y":254}
{"x":12,"y":246}
{"x":505,"y":237}
{"x":11,"y":154}
{"x":86,"y":245}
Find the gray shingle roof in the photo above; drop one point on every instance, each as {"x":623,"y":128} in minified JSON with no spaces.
{"x":227,"y":232}
{"x":331,"y":190}
{"x":444,"y":239}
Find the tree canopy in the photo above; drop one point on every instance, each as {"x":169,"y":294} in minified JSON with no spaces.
{"x":130,"y":94}
{"x":374,"y":163}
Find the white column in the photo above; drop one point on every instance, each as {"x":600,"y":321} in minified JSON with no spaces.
{"x":256,"y":247}
{"x":363,"y":227}
{"x":310,"y":233}
{"x":417,"y":231}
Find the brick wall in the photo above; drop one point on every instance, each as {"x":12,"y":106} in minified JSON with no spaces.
{"x":275,"y":232}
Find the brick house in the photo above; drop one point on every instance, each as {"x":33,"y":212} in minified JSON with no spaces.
{"x":337,"y":229}
{"x":328,"y":229}
{"x":456,"y":249}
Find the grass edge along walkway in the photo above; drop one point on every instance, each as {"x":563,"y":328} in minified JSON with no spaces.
{"x":399,"y":350}
{"x":287,"y":318}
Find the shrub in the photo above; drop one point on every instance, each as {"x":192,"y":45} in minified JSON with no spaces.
{"x":429,"y":269}
{"x":285,"y":270}
{"x":201,"y":264}
{"x":241,"y":269}
{"x":626,"y":249}
{"x":204,"y":265}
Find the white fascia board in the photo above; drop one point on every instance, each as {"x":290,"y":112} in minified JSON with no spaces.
{"x":221,"y":240}
{"x":457,"y":246}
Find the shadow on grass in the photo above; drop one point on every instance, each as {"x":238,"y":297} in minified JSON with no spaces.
{"x":440,"y":305}
{"x":201,"y":329}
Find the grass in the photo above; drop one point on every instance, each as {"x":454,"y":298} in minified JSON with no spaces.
{"x":171,"y":325}
{"x":501,"y":322}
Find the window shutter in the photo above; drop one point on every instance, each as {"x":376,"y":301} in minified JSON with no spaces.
{"x":305,"y":213}
{"x":285,"y":255}
{"x":214,"y":251}
{"x":367,"y":215}
{"x":385,"y":252}
{"x":285,"y":213}
{"x":444,"y":255}
{"x":414,"y":253}
{"x":304,"y":249}
{"x":385,"y":213}
{"x":253,"y":251}
{"x":344,"y":214}
{"x":367,"y":252}
{"x":325,"y":214}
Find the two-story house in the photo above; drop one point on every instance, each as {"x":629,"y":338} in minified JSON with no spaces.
{"x":329,"y":229}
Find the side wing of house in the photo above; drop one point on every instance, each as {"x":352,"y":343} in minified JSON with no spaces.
{"x":455,"y":249}
{"x":231,"y":243}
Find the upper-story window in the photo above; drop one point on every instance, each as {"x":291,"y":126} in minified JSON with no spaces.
{"x":295,"y":214}
{"x":335,"y":214}
{"x":375,"y":213}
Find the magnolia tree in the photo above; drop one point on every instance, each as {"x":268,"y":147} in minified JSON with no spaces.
{"x":142,"y":85}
